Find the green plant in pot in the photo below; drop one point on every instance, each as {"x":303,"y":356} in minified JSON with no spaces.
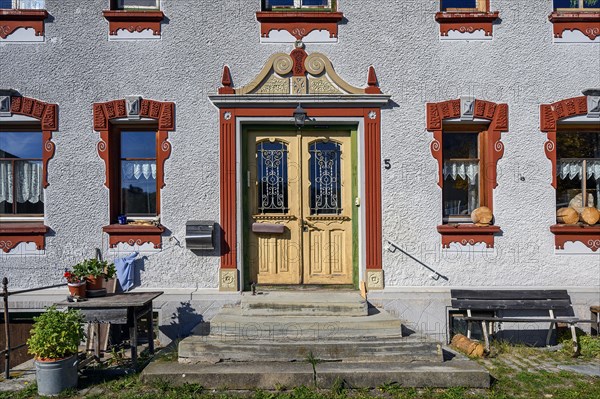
{"x":97,"y":272}
{"x":54,"y":342}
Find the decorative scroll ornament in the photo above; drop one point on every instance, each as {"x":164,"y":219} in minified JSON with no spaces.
{"x":299,"y":74}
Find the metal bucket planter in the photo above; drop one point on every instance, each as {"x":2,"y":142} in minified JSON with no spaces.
{"x":55,"y":377}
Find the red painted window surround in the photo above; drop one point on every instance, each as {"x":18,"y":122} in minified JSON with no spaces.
{"x":133,"y":21}
{"x":587,"y":22}
{"x":14,"y":233}
{"x":466,"y":22}
{"x":299,"y":24}
{"x":163,"y":113}
{"x":497,"y":115}
{"x":550,"y":116}
{"x":11,"y":20}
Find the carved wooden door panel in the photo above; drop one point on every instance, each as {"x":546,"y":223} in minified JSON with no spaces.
{"x":274,"y":185}
{"x":327,"y":208}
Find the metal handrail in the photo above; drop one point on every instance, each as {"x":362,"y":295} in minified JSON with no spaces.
{"x":393,"y":247}
{"x":5,"y":295}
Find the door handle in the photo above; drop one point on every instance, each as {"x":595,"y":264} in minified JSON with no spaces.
{"x":306,"y":225}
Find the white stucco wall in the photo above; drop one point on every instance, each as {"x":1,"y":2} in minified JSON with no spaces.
{"x":77,"y":65}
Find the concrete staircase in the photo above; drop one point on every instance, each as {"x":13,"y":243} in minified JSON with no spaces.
{"x":266,"y":340}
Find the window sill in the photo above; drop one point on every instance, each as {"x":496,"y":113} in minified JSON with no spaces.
{"x":466,"y":22}
{"x":299,"y":24}
{"x":588,"y":235}
{"x":13,"y":234}
{"x":133,"y":21}
{"x":11,"y":20}
{"x":588,"y":23}
{"x":467,"y":234}
{"x":134,"y":234}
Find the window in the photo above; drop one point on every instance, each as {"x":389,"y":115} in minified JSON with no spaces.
{"x":573,"y":149}
{"x":21,"y":174}
{"x":134,"y":20}
{"x":22,"y":20}
{"x":467,"y":146}
{"x":577,"y":5}
{"x":461,"y":172}
{"x":464,"y":5}
{"x":23,"y":4}
{"x":138,"y":174}
{"x":136,"y":5}
{"x":576,"y":21}
{"x":295,"y":4}
{"x":466,"y":20}
{"x":578,"y":169}
{"x":134,"y":155}
{"x":287,"y":21}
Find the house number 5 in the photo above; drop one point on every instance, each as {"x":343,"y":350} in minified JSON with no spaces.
{"x":388,"y":164}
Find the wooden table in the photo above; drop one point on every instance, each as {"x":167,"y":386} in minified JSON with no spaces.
{"x":120,"y":309}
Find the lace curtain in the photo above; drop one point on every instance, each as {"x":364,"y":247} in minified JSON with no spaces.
{"x":28,"y":176}
{"x":466,"y":170}
{"x":574,"y":169}
{"x":138,"y":169}
{"x":29,"y":4}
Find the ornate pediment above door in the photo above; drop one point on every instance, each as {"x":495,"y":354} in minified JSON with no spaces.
{"x":300,"y":74}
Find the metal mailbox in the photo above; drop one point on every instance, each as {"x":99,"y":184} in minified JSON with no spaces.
{"x":200,"y":235}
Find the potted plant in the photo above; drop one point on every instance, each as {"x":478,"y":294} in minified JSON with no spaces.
{"x":54,"y":342}
{"x":96,"y":272}
{"x":76,"y":284}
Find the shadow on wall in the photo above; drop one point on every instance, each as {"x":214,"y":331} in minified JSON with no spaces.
{"x":183,"y":320}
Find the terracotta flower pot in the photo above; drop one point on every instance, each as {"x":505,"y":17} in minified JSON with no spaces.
{"x":77,"y":289}
{"x":95,"y":283}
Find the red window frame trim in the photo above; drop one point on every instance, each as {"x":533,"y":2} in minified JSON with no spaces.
{"x":134,"y":21}
{"x":497,"y":115}
{"x":13,"y":19}
{"x":15,"y":233}
{"x":104,"y":116}
{"x":587,"y":22}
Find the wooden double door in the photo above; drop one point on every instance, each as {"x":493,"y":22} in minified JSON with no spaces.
{"x":299,"y":207}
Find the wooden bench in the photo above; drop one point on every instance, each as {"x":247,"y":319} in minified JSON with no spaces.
{"x":515,"y":300}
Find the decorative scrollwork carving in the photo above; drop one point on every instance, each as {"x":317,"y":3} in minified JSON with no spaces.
{"x":315,"y":63}
{"x":283,"y":64}
{"x":499,"y":146}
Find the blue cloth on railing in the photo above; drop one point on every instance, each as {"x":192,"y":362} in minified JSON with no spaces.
{"x":125,"y":271}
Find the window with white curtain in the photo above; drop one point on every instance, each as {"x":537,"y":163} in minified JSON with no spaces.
{"x":21,"y":174}
{"x":136,"y":4}
{"x":461,"y":172}
{"x":283,"y":4}
{"x":138,"y":174}
{"x":578,"y":169}
{"x":23,"y":4}
{"x":464,"y":5}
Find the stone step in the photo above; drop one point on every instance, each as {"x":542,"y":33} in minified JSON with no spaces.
{"x":231,"y":322}
{"x":269,"y":375}
{"x":197,"y":349}
{"x":316,"y":303}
